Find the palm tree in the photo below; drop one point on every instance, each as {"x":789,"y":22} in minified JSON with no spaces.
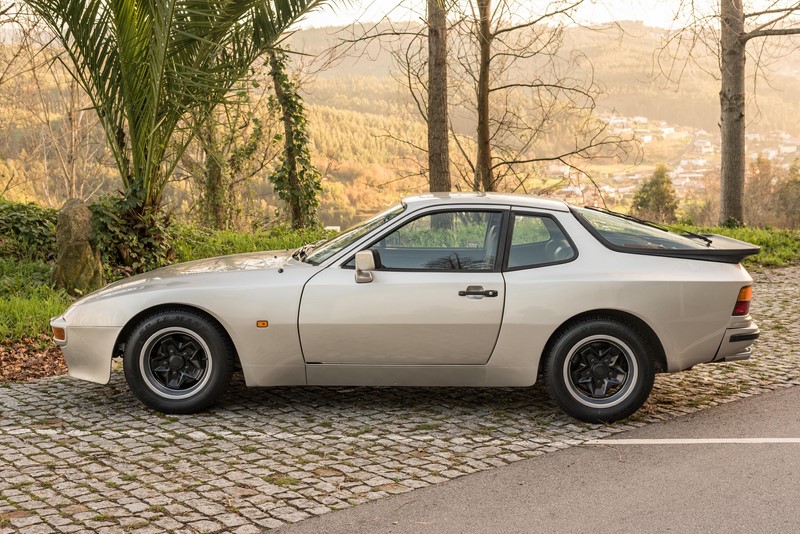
{"x":154,"y":68}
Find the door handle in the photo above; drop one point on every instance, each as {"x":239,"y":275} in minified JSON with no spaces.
{"x":478,"y":291}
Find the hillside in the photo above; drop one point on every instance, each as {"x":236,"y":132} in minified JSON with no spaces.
{"x":624,"y":63}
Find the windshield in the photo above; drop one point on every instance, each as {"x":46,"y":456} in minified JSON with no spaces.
{"x":327,"y":249}
{"x":619,"y":231}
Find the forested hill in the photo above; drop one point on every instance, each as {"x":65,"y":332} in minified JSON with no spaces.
{"x":624,"y":64}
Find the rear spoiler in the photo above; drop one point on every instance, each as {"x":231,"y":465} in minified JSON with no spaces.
{"x":721,"y":249}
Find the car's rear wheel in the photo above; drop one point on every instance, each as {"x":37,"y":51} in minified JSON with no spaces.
{"x":178,"y":361}
{"x":600,"y":370}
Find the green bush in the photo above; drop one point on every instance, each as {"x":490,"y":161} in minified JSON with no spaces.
{"x":191,"y":243}
{"x":128,"y":242}
{"x":27,"y":231}
{"x":779,"y":248}
{"x":27,"y":299}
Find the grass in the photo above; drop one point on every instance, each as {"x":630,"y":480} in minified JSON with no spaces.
{"x":281,"y":481}
{"x":191,"y":243}
{"x":27,"y":299}
{"x":779,"y":248}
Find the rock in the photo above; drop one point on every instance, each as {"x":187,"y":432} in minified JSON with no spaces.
{"x":78,"y":267}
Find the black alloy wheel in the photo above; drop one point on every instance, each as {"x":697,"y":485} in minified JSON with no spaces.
{"x":178,"y":361}
{"x":600,"y":370}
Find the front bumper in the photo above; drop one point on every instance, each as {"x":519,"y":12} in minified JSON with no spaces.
{"x":88,"y":350}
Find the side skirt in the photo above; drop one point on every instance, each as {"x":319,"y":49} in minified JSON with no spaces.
{"x":330,"y":374}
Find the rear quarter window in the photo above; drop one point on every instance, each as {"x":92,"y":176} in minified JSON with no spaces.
{"x":625,"y":234}
{"x":537,"y":240}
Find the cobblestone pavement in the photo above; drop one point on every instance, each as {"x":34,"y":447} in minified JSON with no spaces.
{"x":81,"y":457}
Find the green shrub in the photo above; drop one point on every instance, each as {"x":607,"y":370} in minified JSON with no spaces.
{"x":27,"y":299}
{"x":191,"y":243}
{"x":779,"y":248}
{"x":128,"y":242}
{"x":27,"y":231}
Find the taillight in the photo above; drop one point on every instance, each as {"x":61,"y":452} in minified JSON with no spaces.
{"x":743,"y":302}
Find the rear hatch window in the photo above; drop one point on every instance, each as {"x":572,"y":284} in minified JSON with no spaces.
{"x":625,"y":233}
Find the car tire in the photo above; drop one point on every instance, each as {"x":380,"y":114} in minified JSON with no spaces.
{"x":599,"y":370}
{"x":178,"y":361}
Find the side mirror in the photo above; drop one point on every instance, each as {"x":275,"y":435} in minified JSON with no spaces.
{"x":366,"y":261}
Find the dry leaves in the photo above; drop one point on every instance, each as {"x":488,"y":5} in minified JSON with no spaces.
{"x":30,"y":358}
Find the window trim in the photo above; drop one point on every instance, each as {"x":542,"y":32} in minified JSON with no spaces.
{"x":510,"y":233}
{"x":499,"y":260}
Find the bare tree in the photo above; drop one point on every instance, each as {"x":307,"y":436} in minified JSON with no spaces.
{"x":515,"y":99}
{"x":725,"y":33}
{"x":61,"y":130}
{"x":516,"y":86}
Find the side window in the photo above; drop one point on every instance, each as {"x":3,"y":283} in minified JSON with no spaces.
{"x":537,"y":240}
{"x":443,"y":241}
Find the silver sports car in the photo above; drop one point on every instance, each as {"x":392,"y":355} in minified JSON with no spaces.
{"x":441,"y":290}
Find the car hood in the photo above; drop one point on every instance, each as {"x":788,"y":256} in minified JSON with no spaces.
{"x":181,"y":273}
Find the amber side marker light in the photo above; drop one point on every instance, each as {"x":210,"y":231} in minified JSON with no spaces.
{"x":743,"y":302}
{"x":262,"y":324}
{"x":59,"y":333}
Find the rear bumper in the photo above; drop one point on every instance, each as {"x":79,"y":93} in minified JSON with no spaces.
{"x":737,"y":340}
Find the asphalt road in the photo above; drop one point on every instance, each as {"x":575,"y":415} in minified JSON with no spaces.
{"x":732,"y":487}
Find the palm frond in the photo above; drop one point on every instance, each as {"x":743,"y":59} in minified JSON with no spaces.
{"x":146,"y":64}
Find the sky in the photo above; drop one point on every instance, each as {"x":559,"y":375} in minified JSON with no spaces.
{"x":652,"y":13}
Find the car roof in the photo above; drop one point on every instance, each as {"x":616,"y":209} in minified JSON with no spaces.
{"x":483,"y":199}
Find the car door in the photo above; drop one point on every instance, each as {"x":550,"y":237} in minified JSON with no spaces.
{"x":436,"y":296}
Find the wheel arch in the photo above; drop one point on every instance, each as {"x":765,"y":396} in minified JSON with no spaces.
{"x":125,"y":333}
{"x":659,"y":355}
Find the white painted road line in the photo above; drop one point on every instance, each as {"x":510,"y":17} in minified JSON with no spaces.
{"x":691,"y":441}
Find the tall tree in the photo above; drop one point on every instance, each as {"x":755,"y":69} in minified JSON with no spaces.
{"x":438,"y":128}
{"x":484,"y":174}
{"x":726,"y":32}
{"x":296,"y":180}
{"x":515,"y":83}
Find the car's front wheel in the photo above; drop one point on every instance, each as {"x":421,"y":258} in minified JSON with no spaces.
{"x":178,"y":361}
{"x":600,"y":370}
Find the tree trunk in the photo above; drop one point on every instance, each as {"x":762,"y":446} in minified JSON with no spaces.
{"x":483,"y":169}
{"x":72,"y":124}
{"x":438,"y":150}
{"x":212,"y":205}
{"x":214,"y":193}
{"x":732,"y":106}
{"x":290,"y":149}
